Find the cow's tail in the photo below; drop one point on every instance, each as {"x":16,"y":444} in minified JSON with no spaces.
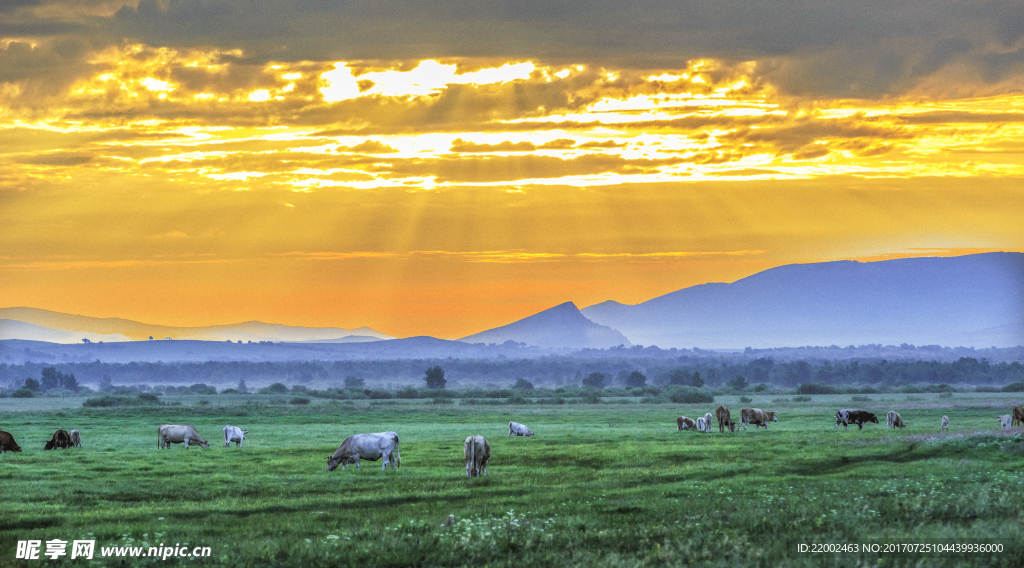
{"x":158,"y":439}
{"x":398,"y":456}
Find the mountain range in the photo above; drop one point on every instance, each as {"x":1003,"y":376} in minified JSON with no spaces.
{"x":971,"y":301}
{"x":57,"y":327}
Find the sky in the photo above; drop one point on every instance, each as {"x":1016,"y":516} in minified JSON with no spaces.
{"x":441,"y":168}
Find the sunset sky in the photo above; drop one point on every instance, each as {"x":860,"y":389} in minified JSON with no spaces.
{"x":441,"y":168}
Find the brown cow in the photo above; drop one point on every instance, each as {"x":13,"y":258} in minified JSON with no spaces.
{"x":61,"y":439}
{"x":1018,"y":416}
{"x":7,"y":443}
{"x":684,"y":423}
{"x":757,"y":417}
{"x":724,"y":419}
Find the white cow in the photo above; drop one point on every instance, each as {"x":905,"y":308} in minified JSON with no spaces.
{"x":477,"y":452}
{"x":518,"y":429}
{"x":76,"y":438}
{"x":702,"y":425}
{"x":709,"y":420}
{"x":177,"y":433}
{"x":945,"y":423}
{"x":1006,"y":421}
{"x":370,"y":447}
{"x":893,"y":420}
{"x":234,"y":434}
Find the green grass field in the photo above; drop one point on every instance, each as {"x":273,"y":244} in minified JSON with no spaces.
{"x":607,"y":484}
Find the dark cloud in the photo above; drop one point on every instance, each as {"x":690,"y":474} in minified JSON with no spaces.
{"x":460,"y":145}
{"x":58,"y":159}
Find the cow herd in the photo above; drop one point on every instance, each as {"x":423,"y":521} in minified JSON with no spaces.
{"x":477,"y":451}
{"x":748,"y":416}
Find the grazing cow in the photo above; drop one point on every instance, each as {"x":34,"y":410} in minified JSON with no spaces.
{"x":1018,"y":415}
{"x":757,"y":417}
{"x":945,"y":424}
{"x":477,"y":451}
{"x":61,"y":439}
{"x":684,"y":423}
{"x":76,"y":438}
{"x":7,"y":443}
{"x":1006,"y":421}
{"x":370,"y":447}
{"x":518,"y":429}
{"x":709,"y":419}
{"x":234,"y":434}
{"x":177,"y":433}
{"x":724,"y":419}
{"x":702,"y":425}
{"x":857,"y":416}
{"x":893,"y":420}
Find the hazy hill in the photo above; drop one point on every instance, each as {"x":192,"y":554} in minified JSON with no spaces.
{"x":133,"y":330}
{"x":560,"y":327}
{"x":12,"y":329}
{"x":974,"y":300}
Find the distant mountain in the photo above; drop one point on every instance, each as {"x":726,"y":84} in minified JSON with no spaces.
{"x":560,"y":327}
{"x":17,"y":351}
{"x":973,"y":301}
{"x":133,"y":330}
{"x":12,"y":329}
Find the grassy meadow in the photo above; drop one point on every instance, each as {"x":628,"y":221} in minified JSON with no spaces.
{"x":600,"y":484}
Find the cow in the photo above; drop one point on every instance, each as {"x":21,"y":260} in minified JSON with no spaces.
{"x":847,"y":416}
{"x":518,"y":429}
{"x":757,"y":417}
{"x":477,"y":451}
{"x":168,"y":434}
{"x":684,"y":423}
{"x":234,"y":434}
{"x":709,"y":419}
{"x":724,"y":419}
{"x":76,"y":438}
{"x":893,"y":420}
{"x":702,"y":425}
{"x":1018,"y":415}
{"x":7,"y":443}
{"x":61,"y":439}
{"x":945,"y":424}
{"x":1006,"y":421}
{"x":370,"y":447}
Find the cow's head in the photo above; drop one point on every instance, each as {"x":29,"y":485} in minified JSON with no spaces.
{"x":49,"y":445}
{"x":204,"y":445}
{"x":872,"y":418}
{"x":334,"y":462}
{"x":771,"y":416}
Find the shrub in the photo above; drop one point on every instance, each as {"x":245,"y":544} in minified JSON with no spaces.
{"x":230,"y":391}
{"x":442,"y":401}
{"x":299,"y":400}
{"x":1014,"y":387}
{"x":22,"y":393}
{"x":760,"y":387}
{"x":596,"y":380}
{"x":816,"y":388}
{"x":377,"y":394}
{"x":408,"y":392}
{"x":801,"y":398}
{"x":860,"y":398}
{"x":516,"y":399}
{"x":780,"y":400}
{"x":299,"y":389}
{"x":276,"y":388}
{"x":523,"y":384}
{"x":946,"y":394}
{"x":114,"y":400}
{"x":746,"y":399}
{"x":590,"y":397}
{"x":149,"y":397}
{"x":200,"y":388}
{"x":987,"y":388}
{"x":687,"y":395}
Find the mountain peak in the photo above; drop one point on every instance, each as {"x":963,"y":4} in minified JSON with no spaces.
{"x":562,"y":326}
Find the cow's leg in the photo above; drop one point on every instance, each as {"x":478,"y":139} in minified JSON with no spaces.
{"x":186,"y":442}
